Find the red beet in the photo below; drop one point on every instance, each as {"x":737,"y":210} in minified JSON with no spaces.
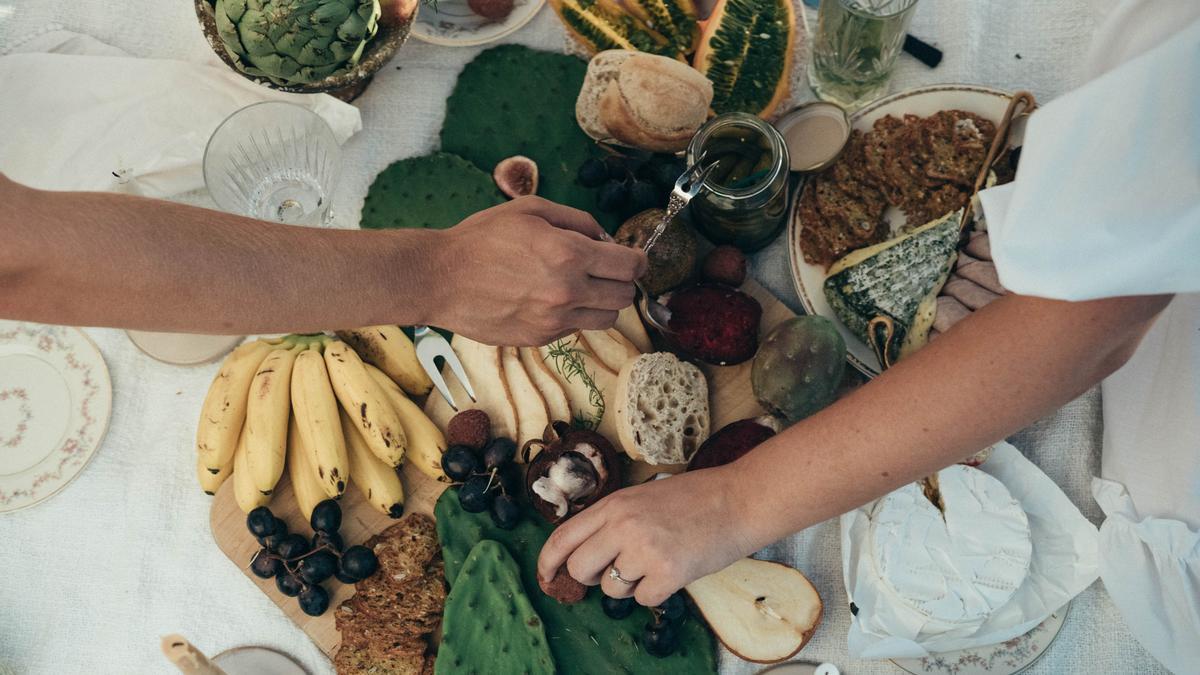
{"x":714,"y":323}
{"x":731,"y":442}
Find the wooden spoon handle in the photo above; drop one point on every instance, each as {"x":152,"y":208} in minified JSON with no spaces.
{"x":186,"y":657}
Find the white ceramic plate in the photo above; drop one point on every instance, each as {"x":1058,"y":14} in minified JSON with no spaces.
{"x":55,"y":401}
{"x":1006,"y":658}
{"x":453,"y":24}
{"x":257,"y":661}
{"x":924,"y":101}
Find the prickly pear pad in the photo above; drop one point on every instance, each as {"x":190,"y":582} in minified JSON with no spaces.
{"x":582,"y":639}
{"x":512,"y":100}
{"x":489,"y":625}
{"x":432,"y":191}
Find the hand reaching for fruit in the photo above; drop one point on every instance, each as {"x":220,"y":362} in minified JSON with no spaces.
{"x":530,"y":271}
{"x":661,"y":535}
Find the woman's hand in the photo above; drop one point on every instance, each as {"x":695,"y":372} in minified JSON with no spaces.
{"x":529,"y":271}
{"x":662,"y":535}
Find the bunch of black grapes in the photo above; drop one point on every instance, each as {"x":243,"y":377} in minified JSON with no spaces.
{"x":631,"y":183}
{"x":661,"y":636}
{"x":300,"y":565}
{"x":488,"y":481}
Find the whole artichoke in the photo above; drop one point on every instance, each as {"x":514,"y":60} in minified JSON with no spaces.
{"x":296,"y":42}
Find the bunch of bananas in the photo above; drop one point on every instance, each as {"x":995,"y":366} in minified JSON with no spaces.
{"x":312,"y":404}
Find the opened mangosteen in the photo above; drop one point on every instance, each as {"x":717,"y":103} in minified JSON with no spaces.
{"x":573,"y":469}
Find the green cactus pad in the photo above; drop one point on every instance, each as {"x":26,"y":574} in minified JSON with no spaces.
{"x":489,"y":625}
{"x":432,"y":191}
{"x":512,"y":100}
{"x":582,"y":639}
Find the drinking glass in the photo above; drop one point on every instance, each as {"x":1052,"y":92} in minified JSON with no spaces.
{"x":273,"y":161}
{"x":855,"y":48}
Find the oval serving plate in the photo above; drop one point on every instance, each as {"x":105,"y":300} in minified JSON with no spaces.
{"x":55,"y":402}
{"x":451,"y":23}
{"x":923,"y":101}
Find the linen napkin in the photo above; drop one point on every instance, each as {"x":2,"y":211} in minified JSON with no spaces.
{"x":1065,"y":562}
{"x":90,"y":118}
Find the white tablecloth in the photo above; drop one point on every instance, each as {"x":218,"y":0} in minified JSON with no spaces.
{"x":90,"y":579}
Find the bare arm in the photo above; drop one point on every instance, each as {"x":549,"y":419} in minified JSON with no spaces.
{"x":991,"y":375}
{"x":521,"y":273}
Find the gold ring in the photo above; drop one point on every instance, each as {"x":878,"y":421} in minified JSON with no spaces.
{"x":615,"y":575}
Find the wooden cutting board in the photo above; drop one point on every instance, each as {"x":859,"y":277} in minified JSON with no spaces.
{"x":730,"y":399}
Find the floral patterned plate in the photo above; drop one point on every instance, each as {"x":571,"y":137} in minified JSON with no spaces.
{"x":1007,"y":658}
{"x":55,"y":401}
{"x":451,"y":23}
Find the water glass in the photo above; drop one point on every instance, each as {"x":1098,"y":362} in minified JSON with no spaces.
{"x":274,"y":161}
{"x":855,"y":47}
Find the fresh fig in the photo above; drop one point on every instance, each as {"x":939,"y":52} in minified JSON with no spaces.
{"x":732,"y":441}
{"x":799,"y":367}
{"x":516,"y":176}
{"x":574,"y":469}
{"x":714,"y":323}
{"x":672,"y":258}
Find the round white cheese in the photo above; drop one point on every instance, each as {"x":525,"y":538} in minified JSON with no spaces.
{"x":958,"y":566}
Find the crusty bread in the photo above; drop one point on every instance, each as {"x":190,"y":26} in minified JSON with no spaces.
{"x":661,"y":409}
{"x":643,"y":100}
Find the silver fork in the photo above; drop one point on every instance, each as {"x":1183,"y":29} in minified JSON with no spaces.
{"x":430,"y":344}
{"x":690,"y":184}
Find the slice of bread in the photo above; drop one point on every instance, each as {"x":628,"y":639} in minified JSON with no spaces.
{"x":602,"y":70}
{"x":656,"y":103}
{"x":661,"y":409}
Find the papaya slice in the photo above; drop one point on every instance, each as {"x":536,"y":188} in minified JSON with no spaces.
{"x":746,"y":51}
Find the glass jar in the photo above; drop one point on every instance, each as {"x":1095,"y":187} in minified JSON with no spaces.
{"x":745,"y":198}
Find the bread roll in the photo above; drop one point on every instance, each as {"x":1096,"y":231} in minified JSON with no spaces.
{"x":642,"y":101}
{"x":661,"y":409}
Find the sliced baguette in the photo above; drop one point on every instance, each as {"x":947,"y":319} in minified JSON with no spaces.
{"x":532,"y":415}
{"x":661,"y":409}
{"x":557,"y":404}
{"x":602,"y":70}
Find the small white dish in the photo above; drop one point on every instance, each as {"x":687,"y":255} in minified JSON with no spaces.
{"x":1007,"y":658}
{"x":55,"y":403}
{"x":257,"y":661}
{"x":451,"y":23}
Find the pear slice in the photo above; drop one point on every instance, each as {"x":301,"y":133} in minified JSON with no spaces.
{"x":611,"y":348}
{"x":557,"y":404}
{"x":532,"y":415}
{"x":761,"y":611}
{"x":578,"y":393}
{"x":629,"y":323}
{"x":483,"y":367}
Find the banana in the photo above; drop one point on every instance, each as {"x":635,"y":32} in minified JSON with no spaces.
{"x":379,"y":483}
{"x":267,"y":412}
{"x":316,"y":411}
{"x":305,"y":481}
{"x":425,"y":441}
{"x":224,"y":409}
{"x":390,"y":350}
{"x":211,"y":482}
{"x":247,"y":495}
{"x":366,"y":403}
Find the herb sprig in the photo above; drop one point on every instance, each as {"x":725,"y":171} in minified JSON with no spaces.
{"x":568,"y":360}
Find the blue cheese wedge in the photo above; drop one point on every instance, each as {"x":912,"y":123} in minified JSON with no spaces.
{"x":956,"y":566}
{"x":899,"y":278}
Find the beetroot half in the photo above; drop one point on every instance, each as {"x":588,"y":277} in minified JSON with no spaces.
{"x":732,"y":441}
{"x":574,"y":469}
{"x":714,"y":323}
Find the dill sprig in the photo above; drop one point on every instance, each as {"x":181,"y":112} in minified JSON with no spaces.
{"x":568,"y":360}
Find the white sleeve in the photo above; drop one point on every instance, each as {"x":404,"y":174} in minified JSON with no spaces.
{"x":1107,"y":196}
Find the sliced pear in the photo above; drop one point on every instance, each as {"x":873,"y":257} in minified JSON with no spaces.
{"x":629,"y":323}
{"x":557,"y":404}
{"x":579,"y":394}
{"x":532,"y":413}
{"x":482,"y":363}
{"x":761,"y":611}
{"x":610,"y":347}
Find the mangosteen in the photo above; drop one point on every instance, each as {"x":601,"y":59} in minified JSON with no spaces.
{"x":516,"y":176}
{"x":574,"y":469}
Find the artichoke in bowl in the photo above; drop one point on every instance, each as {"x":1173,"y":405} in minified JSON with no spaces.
{"x":296,"y":42}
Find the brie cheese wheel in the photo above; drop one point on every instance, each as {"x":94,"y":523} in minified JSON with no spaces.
{"x":954,"y":567}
